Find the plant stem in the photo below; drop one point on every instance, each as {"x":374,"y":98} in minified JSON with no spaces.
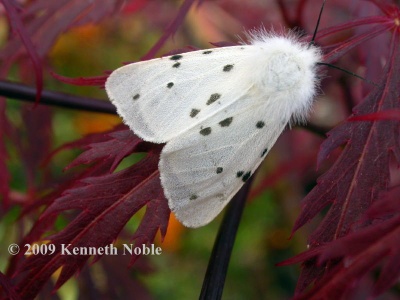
{"x":214,"y":279}
{"x":27,"y":93}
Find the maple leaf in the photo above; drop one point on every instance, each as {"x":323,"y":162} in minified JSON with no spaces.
{"x":368,"y":247}
{"x":19,"y":28}
{"x":104,"y":202}
{"x":35,"y":27}
{"x":353,"y":183}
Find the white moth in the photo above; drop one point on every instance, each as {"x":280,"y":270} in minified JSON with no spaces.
{"x":219,"y":111}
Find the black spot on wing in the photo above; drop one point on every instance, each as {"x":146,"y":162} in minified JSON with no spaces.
{"x":246,"y":176}
{"x":176,"y":65}
{"x":264,"y":152}
{"x":207,"y":52}
{"x":193,"y":197}
{"x":176,"y":57}
{"x":260,"y":124}
{"x":205,"y":131}
{"x":194,"y":112}
{"x":227,"y":68}
{"x":226,"y":122}
{"x":135,"y":97}
{"x":214,"y":97}
{"x":220,"y":197}
{"x":219,"y":170}
{"x":170,"y":85}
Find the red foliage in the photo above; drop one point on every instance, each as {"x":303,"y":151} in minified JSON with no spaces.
{"x":353,"y":183}
{"x":4,"y":175}
{"x":171,"y":29}
{"x":360,"y":251}
{"x":382,"y":115}
{"x":104,"y":202}
{"x":96,"y":81}
{"x":8,"y":287}
{"x":360,"y":230}
{"x":38,"y":25}
{"x":19,"y":28}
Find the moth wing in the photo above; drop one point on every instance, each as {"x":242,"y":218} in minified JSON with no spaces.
{"x":161,"y":98}
{"x":202,"y":169}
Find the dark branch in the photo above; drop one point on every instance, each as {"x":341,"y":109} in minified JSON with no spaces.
{"x":27,"y":93}
{"x":214,"y":279}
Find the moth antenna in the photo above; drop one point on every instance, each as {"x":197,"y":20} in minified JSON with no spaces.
{"x":346,"y":71}
{"x":312,"y":42}
{"x":316,"y":27}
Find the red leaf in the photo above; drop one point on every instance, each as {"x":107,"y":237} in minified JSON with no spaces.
{"x":18,"y":27}
{"x":387,"y":205}
{"x":45,"y":224}
{"x":156,"y":218}
{"x":41,"y":22}
{"x":8,"y":288}
{"x":45,"y":20}
{"x":171,"y":29}
{"x":385,"y":7}
{"x":104,"y":202}
{"x":120,"y":281}
{"x":360,"y":173}
{"x":351,"y":43}
{"x":382,"y":115}
{"x":84,"y":81}
{"x":34,"y":150}
{"x":134,"y":5}
{"x":4,"y":174}
{"x":376,"y":244}
{"x":123,"y":140}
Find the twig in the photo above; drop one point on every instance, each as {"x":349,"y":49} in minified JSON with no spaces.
{"x":27,"y":93}
{"x":214,"y":279}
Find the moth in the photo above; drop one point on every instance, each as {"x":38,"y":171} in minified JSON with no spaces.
{"x":219,"y":111}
